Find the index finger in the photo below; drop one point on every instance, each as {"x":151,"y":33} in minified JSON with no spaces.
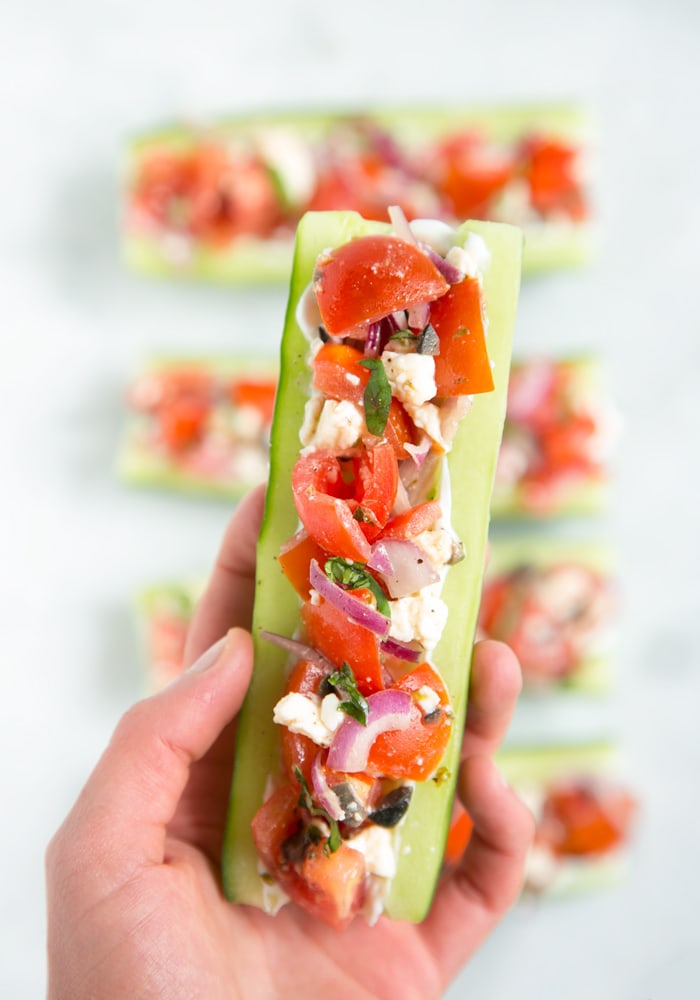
{"x":227,"y":601}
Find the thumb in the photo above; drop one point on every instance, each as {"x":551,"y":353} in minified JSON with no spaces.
{"x":119,"y":822}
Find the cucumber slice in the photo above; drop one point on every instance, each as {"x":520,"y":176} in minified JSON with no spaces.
{"x":471,"y":464}
{"x":248,"y":260}
{"x":592,"y":673}
{"x":140,"y":464}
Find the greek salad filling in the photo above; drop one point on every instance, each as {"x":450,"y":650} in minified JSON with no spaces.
{"x":397,"y":347}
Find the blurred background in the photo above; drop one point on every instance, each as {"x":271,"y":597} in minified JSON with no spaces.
{"x":76,"y":79}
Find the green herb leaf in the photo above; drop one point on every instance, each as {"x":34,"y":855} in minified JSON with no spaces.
{"x":354,"y":576}
{"x":354,"y":703}
{"x":306,"y":802}
{"x":377,"y":397}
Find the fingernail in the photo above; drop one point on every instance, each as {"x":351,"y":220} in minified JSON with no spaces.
{"x":208,"y":657}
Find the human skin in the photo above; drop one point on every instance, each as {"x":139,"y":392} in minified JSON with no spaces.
{"x":134,"y":897}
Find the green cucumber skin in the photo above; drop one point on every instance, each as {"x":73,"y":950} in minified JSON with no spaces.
{"x":139,"y":466}
{"x":593,"y":674}
{"x":547,"y":247}
{"x":472,"y":465}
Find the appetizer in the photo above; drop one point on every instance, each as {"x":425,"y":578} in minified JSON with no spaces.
{"x":222,"y":201}
{"x":394,"y":368}
{"x":199,"y":425}
{"x":557,"y":440}
{"x":584,"y":813}
{"x":554,"y":603}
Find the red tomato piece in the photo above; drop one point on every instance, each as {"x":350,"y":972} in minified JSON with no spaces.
{"x":182,"y":422}
{"x":458,"y":836}
{"x":370,"y":277}
{"x":551,"y":172}
{"x":469,"y":175}
{"x":338,"y":373}
{"x":332,"y":633}
{"x":377,"y":481}
{"x":298,"y":750}
{"x":328,"y":886}
{"x":295,"y":560}
{"x":413,"y":521}
{"x":578,"y":820}
{"x":320,"y":495}
{"x":415,"y":752}
{"x":400,"y":429}
{"x":256,"y":393}
{"x":462,"y":367}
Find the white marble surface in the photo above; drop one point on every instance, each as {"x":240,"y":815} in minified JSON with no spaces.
{"x":74,"y":78}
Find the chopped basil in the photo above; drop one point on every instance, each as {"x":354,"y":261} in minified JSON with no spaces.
{"x":306,"y":802}
{"x":354,"y":704}
{"x":353,"y":576}
{"x":377,"y":397}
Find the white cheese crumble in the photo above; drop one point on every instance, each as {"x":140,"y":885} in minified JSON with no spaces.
{"x":411,"y":376}
{"x":307,"y":716}
{"x":376,"y":845}
{"x":339,"y":425}
{"x":422,"y":617}
{"x":473,"y":258}
{"x":438,"y":545}
{"x":427,"y":699}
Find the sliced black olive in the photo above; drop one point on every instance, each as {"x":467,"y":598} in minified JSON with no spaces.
{"x":355,"y":812}
{"x":392,"y":809}
{"x":432,"y":717}
{"x":428,"y":341}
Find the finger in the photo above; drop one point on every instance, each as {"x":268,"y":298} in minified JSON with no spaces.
{"x":489,"y":878}
{"x":118,"y":824}
{"x":494,"y":687}
{"x":228,"y":599}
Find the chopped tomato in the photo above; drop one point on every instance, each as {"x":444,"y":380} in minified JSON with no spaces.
{"x":320,"y":496}
{"x":550,"y":168}
{"x":295,"y":560}
{"x":338,"y":373}
{"x":370,"y":277}
{"x":568,"y":444}
{"x":328,"y":886}
{"x":469,"y":176}
{"x":256,"y":393}
{"x":182,"y":422}
{"x":400,"y":429}
{"x":333,"y":634}
{"x":578,"y":819}
{"x":413,"y":521}
{"x":377,"y":479}
{"x":462,"y":367}
{"x":415,"y":752}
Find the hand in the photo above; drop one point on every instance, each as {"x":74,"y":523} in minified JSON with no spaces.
{"x":135,"y":905}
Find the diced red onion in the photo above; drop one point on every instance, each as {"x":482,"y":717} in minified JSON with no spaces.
{"x":418,"y":316}
{"x":299,"y":649}
{"x":529,"y":387}
{"x":410,"y":569}
{"x":373,"y":344}
{"x":399,"y":319}
{"x":402,"y":651}
{"x":419,"y":451}
{"x":387,"y":710}
{"x":323,"y":793}
{"x":356,"y":610}
{"x":450,"y":273}
{"x":400,"y":224}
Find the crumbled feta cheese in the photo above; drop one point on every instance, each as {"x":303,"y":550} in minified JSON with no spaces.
{"x":427,"y":698}
{"x":338,"y":428}
{"x":439,"y":235}
{"x":427,"y":416}
{"x":376,"y":845}
{"x":421,"y":617}
{"x":302,"y":714}
{"x":312,"y":411}
{"x":330,"y":716}
{"x":473,"y":258}
{"x":438,"y":545}
{"x":411,"y":376}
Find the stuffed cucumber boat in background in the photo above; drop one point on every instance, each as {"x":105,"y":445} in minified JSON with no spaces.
{"x":370,"y":563}
{"x":221,"y":201}
{"x":199,"y":425}
{"x":555,"y":602}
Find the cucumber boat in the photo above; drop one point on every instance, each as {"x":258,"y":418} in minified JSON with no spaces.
{"x":221,"y":201}
{"x":268,"y":846}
